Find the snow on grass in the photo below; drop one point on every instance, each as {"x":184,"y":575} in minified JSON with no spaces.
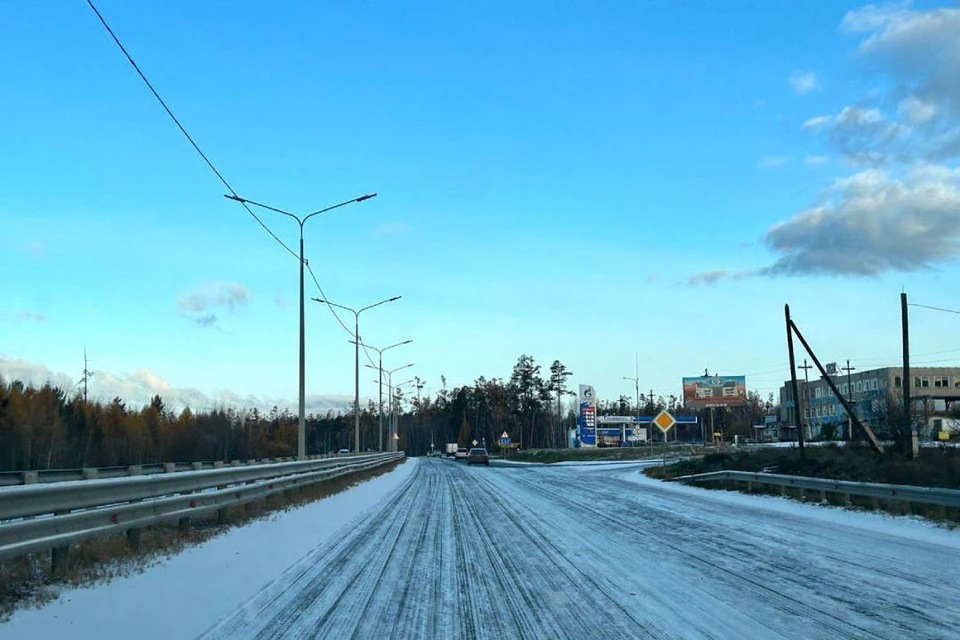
{"x":185,"y":594}
{"x":910,"y":527}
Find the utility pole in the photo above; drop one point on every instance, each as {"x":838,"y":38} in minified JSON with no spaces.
{"x":87,"y":374}
{"x":636,"y":383}
{"x":908,"y":432}
{"x":848,"y":369}
{"x":793,"y":379}
{"x":806,"y":388}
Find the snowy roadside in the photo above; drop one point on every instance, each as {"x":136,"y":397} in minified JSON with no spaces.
{"x":910,"y":527}
{"x":185,"y":594}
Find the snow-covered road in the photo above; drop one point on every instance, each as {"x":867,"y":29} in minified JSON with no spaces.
{"x":528,"y":551}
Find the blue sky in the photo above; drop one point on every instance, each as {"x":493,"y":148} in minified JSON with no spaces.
{"x":552,"y":178}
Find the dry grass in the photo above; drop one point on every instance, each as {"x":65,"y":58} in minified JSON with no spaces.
{"x":29,"y":582}
{"x":644,"y":452}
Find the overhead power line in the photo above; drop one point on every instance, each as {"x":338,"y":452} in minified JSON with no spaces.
{"x":323,"y":295}
{"x":216,"y":171}
{"x":925,"y":306}
{"x":183,"y":129}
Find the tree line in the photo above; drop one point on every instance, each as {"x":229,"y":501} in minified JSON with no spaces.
{"x":48,"y":427}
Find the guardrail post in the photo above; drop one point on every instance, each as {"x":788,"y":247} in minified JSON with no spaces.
{"x":783,"y":490}
{"x":218,"y":465}
{"x":183,"y":525}
{"x":197,"y":466}
{"x":875,"y":503}
{"x":823,"y":495}
{"x":58,"y":560}
{"x":30,"y":477}
{"x":134,"y":470}
{"x":749,"y":486}
{"x":847,"y":501}
{"x":133,"y":539}
{"x":169,"y":467}
{"x":89,"y":474}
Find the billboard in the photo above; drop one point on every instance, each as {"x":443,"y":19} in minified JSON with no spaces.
{"x":587,"y":416}
{"x":714,"y":391}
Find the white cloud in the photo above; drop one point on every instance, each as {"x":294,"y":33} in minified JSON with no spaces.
{"x":918,"y":50}
{"x":803,"y":82}
{"x":28,"y":316}
{"x":812,"y":160}
{"x":136,"y":388}
{"x":817,"y":123}
{"x":708,"y":277}
{"x":388,"y":229}
{"x":199,"y":304}
{"x":772,"y":162}
{"x":871,"y":223}
{"x":863,"y":135}
{"x":32,"y":373}
{"x":916,"y":110}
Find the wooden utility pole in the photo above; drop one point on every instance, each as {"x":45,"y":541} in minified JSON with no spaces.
{"x":793,"y":380}
{"x":908,"y":434}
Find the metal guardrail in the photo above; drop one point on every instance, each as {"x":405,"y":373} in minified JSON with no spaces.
{"x":12,"y":478}
{"x":899,"y":492}
{"x":40,"y":517}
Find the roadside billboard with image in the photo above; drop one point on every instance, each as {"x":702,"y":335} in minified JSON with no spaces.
{"x":714,"y":391}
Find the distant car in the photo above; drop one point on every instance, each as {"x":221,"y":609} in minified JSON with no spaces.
{"x":478,"y":456}
{"x":343,"y":452}
{"x":461,"y":454}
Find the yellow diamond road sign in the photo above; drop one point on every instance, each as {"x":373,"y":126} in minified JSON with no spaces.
{"x":664,"y":420}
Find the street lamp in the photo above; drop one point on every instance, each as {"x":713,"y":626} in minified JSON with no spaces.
{"x":636,"y":381}
{"x":301,"y":423}
{"x":380,"y":381}
{"x":389,"y":373}
{"x":356,"y":353}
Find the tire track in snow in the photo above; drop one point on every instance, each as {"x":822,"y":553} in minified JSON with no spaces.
{"x":804,"y":612}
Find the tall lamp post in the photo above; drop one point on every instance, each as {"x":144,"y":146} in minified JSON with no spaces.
{"x":301,"y":423}
{"x":380,"y":381}
{"x":636,"y":382}
{"x":356,"y":354}
{"x":390,"y":373}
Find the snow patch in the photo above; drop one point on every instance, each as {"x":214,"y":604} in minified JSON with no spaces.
{"x":911,"y":527}
{"x":186,"y":594}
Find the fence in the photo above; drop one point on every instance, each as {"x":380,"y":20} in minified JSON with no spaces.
{"x":897,"y":492}
{"x":41,"y":517}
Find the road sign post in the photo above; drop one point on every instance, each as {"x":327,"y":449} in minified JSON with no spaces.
{"x":664,"y":422}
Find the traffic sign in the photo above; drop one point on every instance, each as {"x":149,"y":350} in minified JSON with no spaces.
{"x":474,"y":443}
{"x":504,"y":435}
{"x":504,"y":441}
{"x":664,"y":421}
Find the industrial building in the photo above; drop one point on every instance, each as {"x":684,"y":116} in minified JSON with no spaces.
{"x":874,"y":395}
